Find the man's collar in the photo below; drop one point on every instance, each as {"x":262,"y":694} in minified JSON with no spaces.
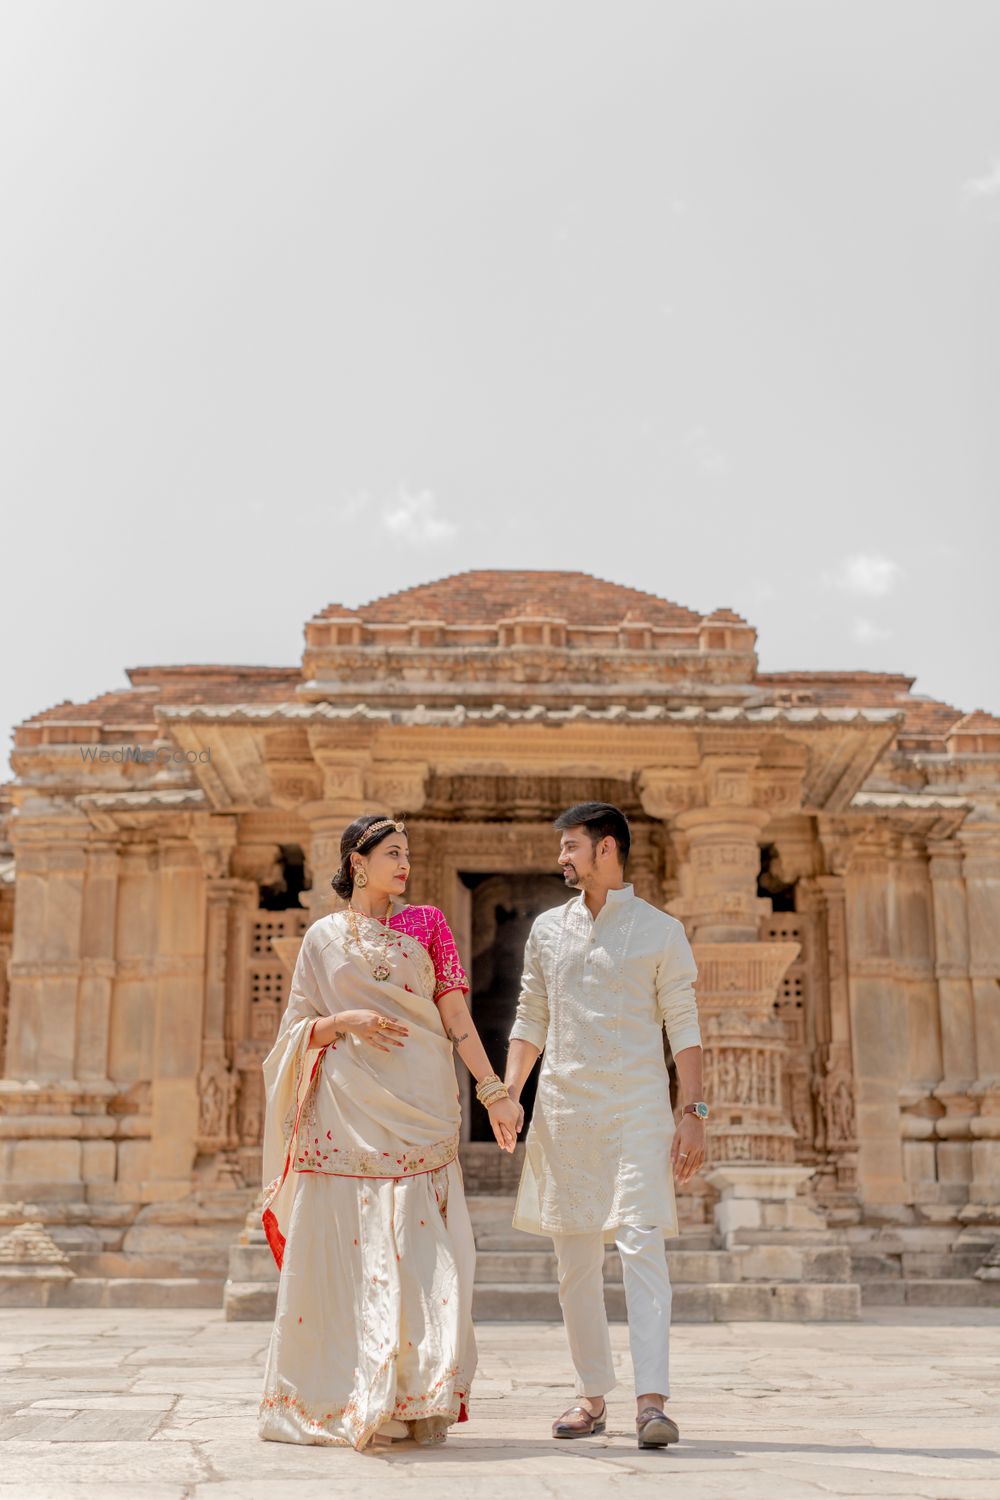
{"x":613,"y":898}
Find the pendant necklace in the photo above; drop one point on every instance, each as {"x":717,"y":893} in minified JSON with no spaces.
{"x":381,"y":972}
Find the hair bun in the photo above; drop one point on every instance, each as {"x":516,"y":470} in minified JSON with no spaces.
{"x":343,"y":881}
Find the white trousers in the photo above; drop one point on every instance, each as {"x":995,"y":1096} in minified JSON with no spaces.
{"x":580,"y":1259}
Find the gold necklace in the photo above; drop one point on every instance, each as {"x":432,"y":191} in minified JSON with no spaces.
{"x":381,"y":971}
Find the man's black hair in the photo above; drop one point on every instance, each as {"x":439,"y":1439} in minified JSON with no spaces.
{"x":601,"y":821}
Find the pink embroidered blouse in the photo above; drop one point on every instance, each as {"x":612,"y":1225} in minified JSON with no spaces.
{"x":431,"y":930}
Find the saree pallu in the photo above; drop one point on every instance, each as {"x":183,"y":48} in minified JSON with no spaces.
{"x":364,"y":1207}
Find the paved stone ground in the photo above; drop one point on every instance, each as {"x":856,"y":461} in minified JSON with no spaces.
{"x":102,"y":1405}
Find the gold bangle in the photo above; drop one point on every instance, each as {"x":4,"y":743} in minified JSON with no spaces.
{"x":485,"y":1085}
{"x":494,"y":1096}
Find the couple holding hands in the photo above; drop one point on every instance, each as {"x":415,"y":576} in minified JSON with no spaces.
{"x":364,"y":1207}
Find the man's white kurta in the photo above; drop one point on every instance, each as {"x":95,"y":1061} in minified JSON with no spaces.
{"x":595,"y":998}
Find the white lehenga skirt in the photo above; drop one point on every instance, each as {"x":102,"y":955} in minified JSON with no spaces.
{"x":374,"y":1316}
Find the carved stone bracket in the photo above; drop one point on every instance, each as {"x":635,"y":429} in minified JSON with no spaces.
{"x":215,"y":837}
{"x":664,"y":793}
{"x":259,"y":862}
{"x":394,"y":787}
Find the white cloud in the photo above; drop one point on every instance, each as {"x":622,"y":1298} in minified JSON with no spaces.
{"x":865,"y":573}
{"x":706,"y":457}
{"x":414,"y":519}
{"x":983,"y":187}
{"x":866,"y":631}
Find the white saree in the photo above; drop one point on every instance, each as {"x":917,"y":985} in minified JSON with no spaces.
{"x":364,"y":1206}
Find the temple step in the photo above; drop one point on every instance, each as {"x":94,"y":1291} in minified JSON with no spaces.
{"x":938,"y":1291}
{"x":717,"y":1302}
{"x":137,"y":1291}
{"x":697,"y":1266}
{"x":919,"y":1265}
{"x":516,"y":1240}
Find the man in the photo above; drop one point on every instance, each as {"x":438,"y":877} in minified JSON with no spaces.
{"x":603,"y":976}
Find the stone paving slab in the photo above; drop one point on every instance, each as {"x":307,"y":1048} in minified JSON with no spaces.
{"x":114,"y":1404}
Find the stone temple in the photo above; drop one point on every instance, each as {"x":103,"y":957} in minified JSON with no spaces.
{"x":831,"y":841}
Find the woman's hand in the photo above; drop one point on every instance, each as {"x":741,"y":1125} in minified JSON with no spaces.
{"x":505,"y":1117}
{"x":381,"y":1032}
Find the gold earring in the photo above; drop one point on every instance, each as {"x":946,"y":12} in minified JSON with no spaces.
{"x":361,"y":877}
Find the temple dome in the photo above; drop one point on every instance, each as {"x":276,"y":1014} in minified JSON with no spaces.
{"x":485,"y":595}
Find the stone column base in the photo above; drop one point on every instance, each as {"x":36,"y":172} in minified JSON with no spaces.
{"x":758,"y":1204}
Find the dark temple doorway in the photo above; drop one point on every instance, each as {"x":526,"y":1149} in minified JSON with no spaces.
{"x":503,"y":909}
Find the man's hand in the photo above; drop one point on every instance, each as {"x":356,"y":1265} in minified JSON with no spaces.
{"x":687,"y":1154}
{"x":503,"y":1118}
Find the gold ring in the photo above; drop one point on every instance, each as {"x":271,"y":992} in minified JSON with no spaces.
{"x":382,"y":1023}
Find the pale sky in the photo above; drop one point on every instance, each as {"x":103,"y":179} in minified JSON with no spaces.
{"x":306,"y":302}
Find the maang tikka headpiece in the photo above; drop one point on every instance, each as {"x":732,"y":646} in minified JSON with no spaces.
{"x":379,"y":828}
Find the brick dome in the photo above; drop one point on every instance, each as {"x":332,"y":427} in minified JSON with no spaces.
{"x":484,"y":596}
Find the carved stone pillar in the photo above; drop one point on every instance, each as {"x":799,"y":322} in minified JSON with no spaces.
{"x":738,"y":978}
{"x":326,"y":822}
{"x":246,"y":1046}
{"x":45,"y":963}
{"x":719,"y":901}
{"x":326,"y":817}
{"x":6,"y":943}
{"x":751,"y":1142}
{"x":744,"y":1044}
{"x":957,"y":1017}
{"x":645,"y":863}
{"x":54,"y":1125}
{"x":133,"y":1012}
{"x":178,"y":1020}
{"x":834,"y":1077}
{"x":981,"y":872}
{"x":218,"y":1080}
{"x":97,"y":962}
{"x":912,"y":951}
{"x":878,"y":1024}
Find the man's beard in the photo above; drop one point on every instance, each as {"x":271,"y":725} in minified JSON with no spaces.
{"x":570,"y":876}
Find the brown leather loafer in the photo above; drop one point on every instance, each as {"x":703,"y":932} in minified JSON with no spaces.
{"x":655,"y":1429}
{"x":577,"y":1422}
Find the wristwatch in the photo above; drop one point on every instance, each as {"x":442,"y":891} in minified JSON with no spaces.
{"x":700,"y":1109}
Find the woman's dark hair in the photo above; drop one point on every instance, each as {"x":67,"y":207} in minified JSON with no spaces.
{"x":353,"y":842}
{"x":601,"y":821}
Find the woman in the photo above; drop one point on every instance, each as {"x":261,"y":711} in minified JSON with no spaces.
{"x":364,"y":1207}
